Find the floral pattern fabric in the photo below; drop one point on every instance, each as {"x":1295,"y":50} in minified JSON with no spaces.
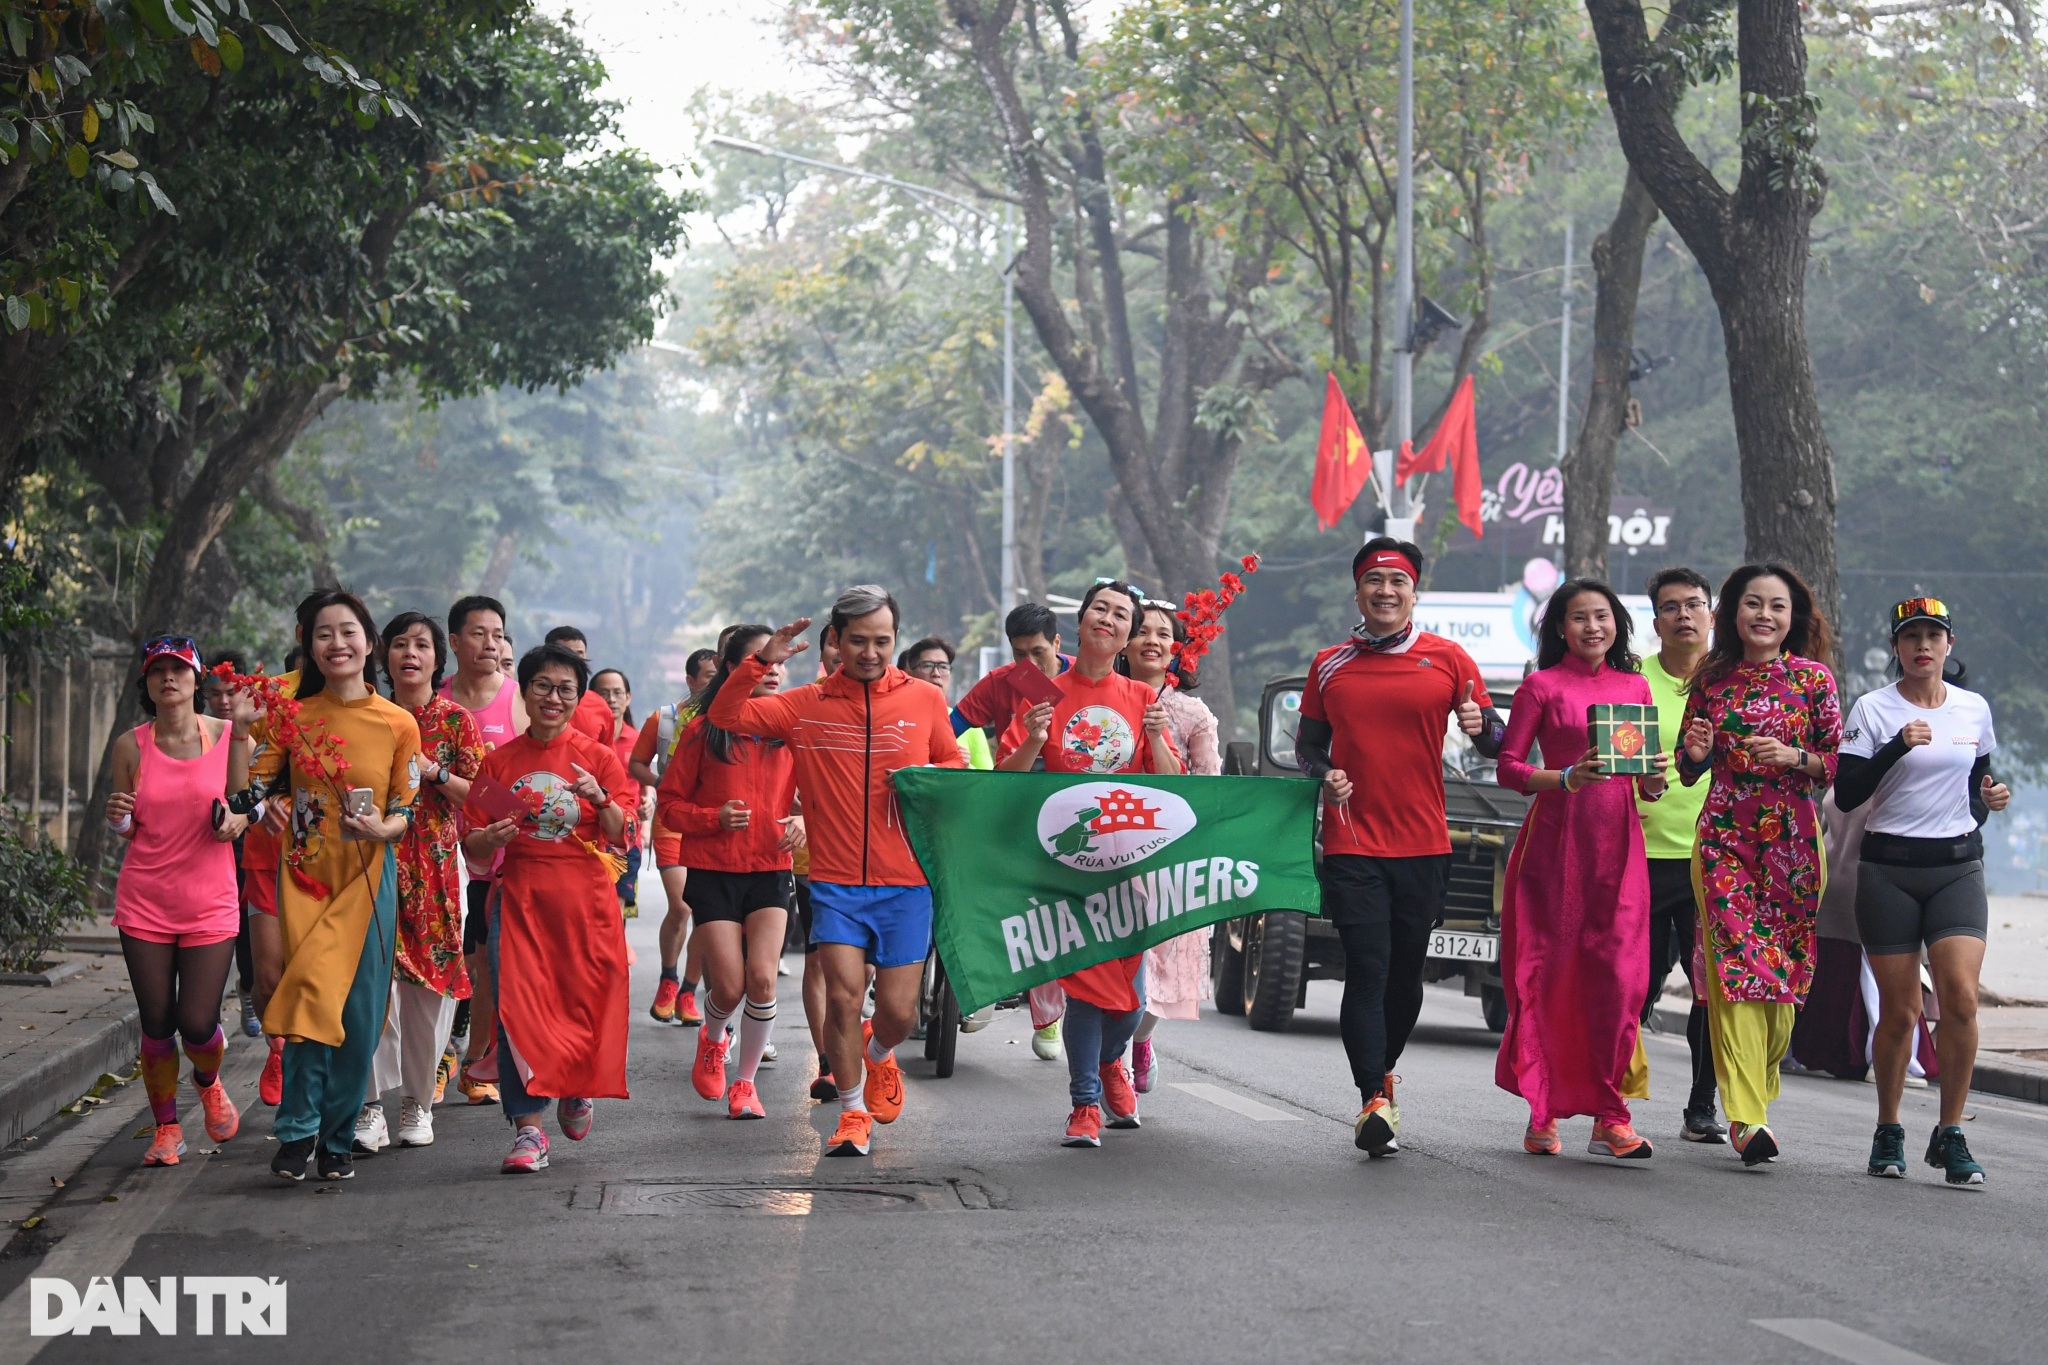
{"x":1759,"y":861}
{"x":429,"y":872}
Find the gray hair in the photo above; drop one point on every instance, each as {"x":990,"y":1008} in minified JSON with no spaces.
{"x":863,"y":599}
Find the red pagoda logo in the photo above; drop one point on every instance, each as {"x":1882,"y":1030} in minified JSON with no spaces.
{"x":1122,"y":810}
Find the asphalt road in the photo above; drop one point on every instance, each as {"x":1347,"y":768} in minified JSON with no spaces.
{"x":1238,"y":1225}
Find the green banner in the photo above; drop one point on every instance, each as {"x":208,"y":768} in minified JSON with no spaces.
{"x":1037,"y":875}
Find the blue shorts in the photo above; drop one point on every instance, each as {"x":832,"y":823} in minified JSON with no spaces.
{"x":891,"y":924}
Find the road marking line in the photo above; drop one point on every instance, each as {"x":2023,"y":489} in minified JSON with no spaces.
{"x":1843,"y":1343}
{"x":1234,"y":1102}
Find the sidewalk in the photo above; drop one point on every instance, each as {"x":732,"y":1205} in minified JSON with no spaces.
{"x":55,"y":1041}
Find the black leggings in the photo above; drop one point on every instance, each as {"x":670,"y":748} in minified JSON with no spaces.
{"x":178,"y":990}
{"x":1383,"y":910}
{"x":1674,"y":924}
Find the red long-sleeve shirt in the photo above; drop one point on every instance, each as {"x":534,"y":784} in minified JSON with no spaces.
{"x":697,"y":783}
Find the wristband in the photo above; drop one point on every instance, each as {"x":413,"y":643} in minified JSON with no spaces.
{"x":123,"y":825}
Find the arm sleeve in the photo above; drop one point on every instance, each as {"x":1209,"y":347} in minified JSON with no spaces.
{"x":404,"y":783}
{"x":1857,"y":777}
{"x":675,"y":808}
{"x":1312,"y":746}
{"x":1512,"y":768}
{"x":1695,"y":705}
{"x":1979,"y":770}
{"x":735,"y":709}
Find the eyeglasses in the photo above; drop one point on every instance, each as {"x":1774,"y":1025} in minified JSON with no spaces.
{"x":1680,"y":608}
{"x":1919,"y":606}
{"x":932,"y":666}
{"x":566,"y":691}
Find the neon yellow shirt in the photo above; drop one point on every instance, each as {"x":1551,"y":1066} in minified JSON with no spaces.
{"x":1671,"y":825}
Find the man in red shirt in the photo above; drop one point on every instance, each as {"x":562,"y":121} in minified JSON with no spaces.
{"x":1372,"y":729}
{"x":592,"y":717}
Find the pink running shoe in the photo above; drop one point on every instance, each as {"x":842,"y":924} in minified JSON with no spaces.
{"x":708,"y":1075}
{"x":1142,"y":1066}
{"x":1542,"y":1141}
{"x":574,"y":1117}
{"x":223,"y":1120}
{"x":1619,"y":1140}
{"x":744,"y":1102}
{"x":271,"y":1088}
{"x":529,"y":1153}
{"x":166,"y":1146}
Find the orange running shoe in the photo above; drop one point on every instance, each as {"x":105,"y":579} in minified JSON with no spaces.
{"x":223,"y":1120}
{"x":883,"y":1090}
{"x":166,"y":1147}
{"x":1542,"y":1141}
{"x":1084,"y":1127}
{"x":1619,"y":1140}
{"x":1119,"y":1098}
{"x":687,"y":1013}
{"x":473,"y":1090}
{"x":708,"y":1075}
{"x":444,"y":1071}
{"x":271,"y":1088}
{"x":664,"y":1007}
{"x":744,"y":1102}
{"x":855,"y":1132}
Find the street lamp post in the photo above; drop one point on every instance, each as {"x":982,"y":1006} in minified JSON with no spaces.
{"x":927,"y":193}
{"x":1400,"y":513}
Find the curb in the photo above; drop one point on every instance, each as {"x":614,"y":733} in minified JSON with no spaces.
{"x":31,"y":1099}
{"x":1996,"y":1073}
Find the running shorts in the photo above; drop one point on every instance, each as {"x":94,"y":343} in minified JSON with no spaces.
{"x":1900,"y":908}
{"x":891,"y":924}
{"x":729,"y":897}
{"x":260,"y":889}
{"x":476,"y":925}
{"x":668,"y":851}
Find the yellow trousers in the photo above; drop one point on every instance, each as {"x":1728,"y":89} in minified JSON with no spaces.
{"x":1750,"y":1039}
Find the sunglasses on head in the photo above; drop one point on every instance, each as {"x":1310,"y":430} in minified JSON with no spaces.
{"x":1136,"y":591}
{"x":1919,"y":606}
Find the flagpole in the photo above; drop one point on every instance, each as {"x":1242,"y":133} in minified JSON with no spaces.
{"x":1400,"y":516}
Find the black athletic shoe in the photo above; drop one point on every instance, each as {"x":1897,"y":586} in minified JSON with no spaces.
{"x":1888,"y":1151}
{"x":1702,"y":1126}
{"x":336,"y":1165}
{"x":824,"y":1087}
{"x":1758,"y":1147}
{"x":290,"y":1161}
{"x":1950,"y":1150}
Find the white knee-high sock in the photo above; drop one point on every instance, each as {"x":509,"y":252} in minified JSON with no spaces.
{"x":757,"y":1022}
{"x":715,"y":1024}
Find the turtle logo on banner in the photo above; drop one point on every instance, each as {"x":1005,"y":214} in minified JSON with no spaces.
{"x":1097,"y":828}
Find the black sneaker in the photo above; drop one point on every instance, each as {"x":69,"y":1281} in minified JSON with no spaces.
{"x":1888,"y":1151}
{"x":1702,"y":1126}
{"x":1757,"y":1146}
{"x":336,"y":1165}
{"x":824,"y":1087}
{"x":1950,"y":1150}
{"x":290,"y":1161}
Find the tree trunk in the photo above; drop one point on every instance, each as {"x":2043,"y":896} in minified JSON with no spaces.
{"x":1589,"y":467}
{"x":1751,"y":244}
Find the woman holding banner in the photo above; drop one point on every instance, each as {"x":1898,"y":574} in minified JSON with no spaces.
{"x":1575,"y":911}
{"x":1177,"y":971}
{"x":1105,"y":723}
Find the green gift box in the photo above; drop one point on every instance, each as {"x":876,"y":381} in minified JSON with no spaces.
{"x":1624,"y":736}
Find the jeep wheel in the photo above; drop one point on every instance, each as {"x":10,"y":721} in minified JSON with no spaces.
{"x":1493,"y":1003}
{"x":1275,"y":952}
{"x":1226,"y":968}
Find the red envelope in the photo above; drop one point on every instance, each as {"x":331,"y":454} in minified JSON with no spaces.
{"x":497,"y":800}
{"x":1028,"y":684}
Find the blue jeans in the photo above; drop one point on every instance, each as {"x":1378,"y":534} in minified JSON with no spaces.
{"x":1094,"y":1036}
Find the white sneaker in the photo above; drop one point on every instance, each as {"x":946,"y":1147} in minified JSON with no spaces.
{"x":415,"y":1124}
{"x":1046,"y":1042}
{"x":768,"y":1054}
{"x":372,"y":1134}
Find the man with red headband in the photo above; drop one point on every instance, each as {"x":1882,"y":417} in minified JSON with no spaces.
{"x":1372,"y":729}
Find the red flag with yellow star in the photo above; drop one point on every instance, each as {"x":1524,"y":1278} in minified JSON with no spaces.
{"x":1342,"y":461}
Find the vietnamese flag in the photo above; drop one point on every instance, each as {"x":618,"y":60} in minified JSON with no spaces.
{"x":1456,"y":441}
{"x":1341,"y":460}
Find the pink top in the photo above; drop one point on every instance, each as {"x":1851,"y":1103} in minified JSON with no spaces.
{"x":493,"y":720}
{"x":177,"y":883}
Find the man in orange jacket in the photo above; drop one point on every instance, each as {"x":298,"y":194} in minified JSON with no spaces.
{"x":848,"y":732}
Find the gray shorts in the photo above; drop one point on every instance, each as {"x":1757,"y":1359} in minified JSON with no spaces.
{"x":1900,"y":908}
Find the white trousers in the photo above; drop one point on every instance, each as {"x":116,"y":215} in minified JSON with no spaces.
{"x":415,"y":1032}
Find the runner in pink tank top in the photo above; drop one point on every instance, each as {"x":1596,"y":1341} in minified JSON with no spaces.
{"x":175,"y":905}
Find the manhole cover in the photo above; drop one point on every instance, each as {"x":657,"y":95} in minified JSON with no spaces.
{"x":683,"y":1196}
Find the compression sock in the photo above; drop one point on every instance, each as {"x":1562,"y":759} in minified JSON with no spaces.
{"x":878,"y":1053}
{"x":715,"y":1024}
{"x":757,"y":1022}
{"x":160,"y":1077}
{"x":206,"y":1058}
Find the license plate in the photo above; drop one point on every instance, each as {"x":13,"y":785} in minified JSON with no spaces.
{"x":1457,"y":947}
